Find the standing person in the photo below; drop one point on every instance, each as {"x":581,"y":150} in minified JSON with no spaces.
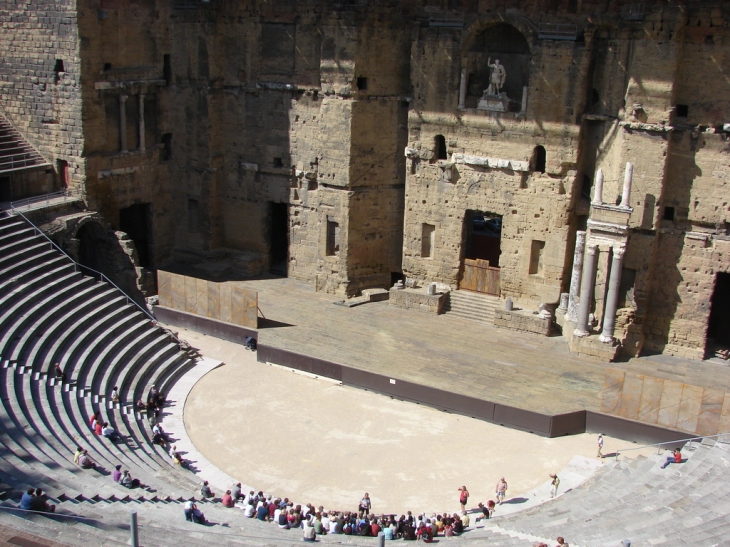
{"x":501,"y":490}
{"x":115,"y":394}
{"x":463,"y":497}
{"x":365,"y":504}
{"x":600,"y":445}
{"x":554,"y":485}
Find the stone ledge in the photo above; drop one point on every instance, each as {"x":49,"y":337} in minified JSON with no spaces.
{"x":524,"y":321}
{"x":589,"y":345}
{"x":417,"y":299}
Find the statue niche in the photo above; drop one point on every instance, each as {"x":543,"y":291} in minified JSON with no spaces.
{"x":497,"y":62}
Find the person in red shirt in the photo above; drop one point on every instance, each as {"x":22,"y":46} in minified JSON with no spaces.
{"x":98,"y":428}
{"x":227,"y":500}
{"x":374,"y":528}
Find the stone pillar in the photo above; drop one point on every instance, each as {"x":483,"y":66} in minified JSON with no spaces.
{"x":614,"y":281}
{"x":524,"y":99}
{"x":141,"y":122}
{"x":462,"y":90}
{"x":123,"y":123}
{"x":580,"y":245}
{"x":586,"y":291}
{"x":628,"y":176}
{"x":598,"y":190}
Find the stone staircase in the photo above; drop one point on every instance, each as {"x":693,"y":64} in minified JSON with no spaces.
{"x":472,"y":305}
{"x":684,"y":504}
{"x":15,"y":151}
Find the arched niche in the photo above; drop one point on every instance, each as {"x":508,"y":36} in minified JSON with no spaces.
{"x":498,"y":41}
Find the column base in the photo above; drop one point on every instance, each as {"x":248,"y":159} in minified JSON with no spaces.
{"x":580,"y":333}
{"x":605,"y":338}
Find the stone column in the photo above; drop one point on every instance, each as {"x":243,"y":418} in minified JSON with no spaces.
{"x":598,"y":190}
{"x":626,"y":194}
{"x":586,"y":291}
{"x":141,"y":122}
{"x":580,"y":245}
{"x":524,"y":99}
{"x":462,"y":90}
{"x":614,"y":282}
{"x":123,"y":123}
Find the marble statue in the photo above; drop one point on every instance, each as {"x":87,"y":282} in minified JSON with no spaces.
{"x":496,"y":78}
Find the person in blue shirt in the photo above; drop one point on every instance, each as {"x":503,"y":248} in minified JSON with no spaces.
{"x":27,"y":500}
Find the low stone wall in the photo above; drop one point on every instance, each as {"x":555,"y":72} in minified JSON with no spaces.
{"x":417,"y":299}
{"x":524,"y":321}
{"x":222,"y":301}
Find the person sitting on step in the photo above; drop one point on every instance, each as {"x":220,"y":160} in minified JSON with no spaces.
{"x":26,"y":500}
{"x":675,"y":457}
{"x":85,"y":461}
{"x":205,"y":491}
{"x":58,"y":372}
{"x":115,"y":394}
{"x":117,"y":474}
{"x":129,"y":482}
{"x":227,"y":500}
{"x":40,"y":502}
{"x":110,"y":433}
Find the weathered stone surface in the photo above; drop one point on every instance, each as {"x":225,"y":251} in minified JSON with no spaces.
{"x":417,"y":299}
{"x":524,"y":321}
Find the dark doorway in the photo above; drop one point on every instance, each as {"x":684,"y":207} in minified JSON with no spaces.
{"x":279,"y":232}
{"x":136,"y":222}
{"x":718,"y":331}
{"x":483,"y":231}
{"x":93,"y":251}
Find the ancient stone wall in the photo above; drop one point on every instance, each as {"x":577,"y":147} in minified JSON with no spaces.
{"x":40,"y":73}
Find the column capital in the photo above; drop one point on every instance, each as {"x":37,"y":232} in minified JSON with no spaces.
{"x":618,"y":252}
{"x":592,"y":249}
{"x":123,"y":98}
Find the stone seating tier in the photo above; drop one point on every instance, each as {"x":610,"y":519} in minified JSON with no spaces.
{"x":51,"y":313}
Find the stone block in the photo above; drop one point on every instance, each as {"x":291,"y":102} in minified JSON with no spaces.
{"x":523,"y":321}
{"x":214,"y":300}
{"x":651,"y":395}
{"x":631,"y":396}
{"x":178,"y":292}
{"x":417,"y":299}
{"x":164,"y":288}
{"x":613,"y":385}
{"x":710,"y":412}
{"x":669,"y":404}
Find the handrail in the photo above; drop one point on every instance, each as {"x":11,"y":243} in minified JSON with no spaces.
{"x":47,"y":513}
{"x":102,"y":277}
{"x":659,"y":445}
{"x":26,"y":202}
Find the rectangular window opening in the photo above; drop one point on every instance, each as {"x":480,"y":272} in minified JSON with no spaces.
{"x":428,"y":240}
{"x":536,"y":256}
{"x":333,"y":238}
{"x":681,"y":110}
{"x":277,"y":162}
{"x":362,"y":83}
{"x":669,"y":213}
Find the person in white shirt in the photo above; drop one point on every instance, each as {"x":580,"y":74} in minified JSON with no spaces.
{"x":249,"y":511}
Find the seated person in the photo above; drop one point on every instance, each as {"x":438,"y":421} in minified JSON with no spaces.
{"x":262,"y":513}
{"x":140,"y":405}
{"x":193,"y":514}
{"x":205,"y":491}
{"x":308,"y":533}
{"x":128,"y":482}
{"x":249,"y":510}
{"x":227,"y":500}
{"x":110,"y":433}
{"x":675,"y":457}
{"x":26,"y":501}
{"x":85,"y":461}
{"x":58,"y":372}
{"x":40,"y":502}
{"x":117,"y":475}
{"x":115,"y":394}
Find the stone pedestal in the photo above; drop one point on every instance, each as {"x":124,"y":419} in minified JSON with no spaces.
{"x":494,"y":103}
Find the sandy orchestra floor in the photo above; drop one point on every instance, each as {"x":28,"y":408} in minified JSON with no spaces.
{"x":316,"y":441}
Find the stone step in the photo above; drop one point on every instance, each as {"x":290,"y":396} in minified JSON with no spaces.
{"x":470,"y":305}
